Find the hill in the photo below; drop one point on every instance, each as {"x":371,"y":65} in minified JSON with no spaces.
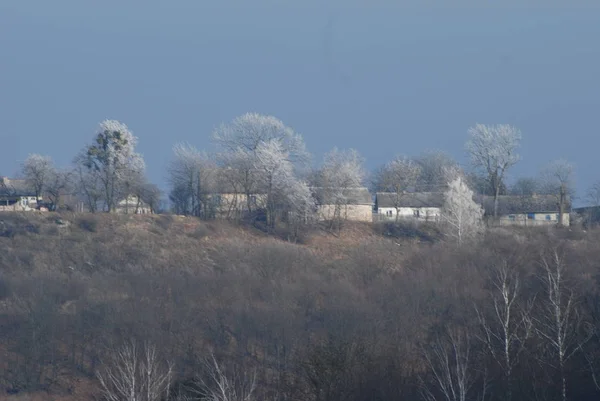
{"x":352,"y":314}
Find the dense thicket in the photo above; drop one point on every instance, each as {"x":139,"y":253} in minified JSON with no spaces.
{"x":379,"y":318}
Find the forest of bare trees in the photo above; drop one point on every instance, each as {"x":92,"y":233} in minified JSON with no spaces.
{"x":514,"y":316}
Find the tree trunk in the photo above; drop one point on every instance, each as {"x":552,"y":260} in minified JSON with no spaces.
{"x":561,"y":206}
{"x":496,"y":194}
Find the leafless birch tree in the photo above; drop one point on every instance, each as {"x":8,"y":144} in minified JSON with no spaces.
{"x":559,"y":322}
{"x":506,"y":331}
{"x":449,"y":360}
{"x":219,"y":385}
{"x":134,"y":373}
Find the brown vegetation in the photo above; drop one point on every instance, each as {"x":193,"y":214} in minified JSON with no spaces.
{"x":364,"y":313}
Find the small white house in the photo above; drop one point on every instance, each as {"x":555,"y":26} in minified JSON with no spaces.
{"x":426,"y":206}
{"x":534,"y":210}
{"x":132,"y":204}
{"x":16,"y":195}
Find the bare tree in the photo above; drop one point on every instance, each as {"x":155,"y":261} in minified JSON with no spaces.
{"x":525,"y":186}
{"x":59,"y":183}
{"x":134,"y":374}
{"x":37,"y":170}
{"x":460,"y":213}
{"x":450,"y":365}
{"x":192,"y":176}
{"x":111,"y":159}
{"x":557,"y":179}
{"x":432,"y":173}
{"x":219,"y":385}
{"x":559,"y":322}
{"x":493,"y":149}
{"x":88,"y":184}
{"x":397,"y":177}
{"x":509,"y":326}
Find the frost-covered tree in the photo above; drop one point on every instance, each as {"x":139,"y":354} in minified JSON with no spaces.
{"x":110,"y":161}
{"x":493,"y":149}
{"x":37,"y":170}
{"x":248,"y":131}
{"x":285,"y":193}
{"x":341,"y":170}
{"x":254,"y":151}
{"x":398,"y":177}
{"x":433,"y":167}
{"x":462,"y":216}
{"x":192,"y":177}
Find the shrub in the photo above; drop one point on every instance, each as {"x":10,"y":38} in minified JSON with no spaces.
{"x":88,"y":223}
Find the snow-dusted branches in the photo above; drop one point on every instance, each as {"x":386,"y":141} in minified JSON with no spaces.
{"x":111,"y":159}
{"x":220,"y":385}
{"x":134,"y":373}
{"x":249,"y":130}
{"x":342,"y":169}
{"x":461,"y":214}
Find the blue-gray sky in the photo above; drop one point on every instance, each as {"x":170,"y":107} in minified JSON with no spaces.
{"x":385,"y":77}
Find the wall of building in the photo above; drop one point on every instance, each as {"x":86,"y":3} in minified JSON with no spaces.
{"x":421,"y":213}
{"x":132,"y":205}
{"x":346,"y":212}
{"x":534,"y":219}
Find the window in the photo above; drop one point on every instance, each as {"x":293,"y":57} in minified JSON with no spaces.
{"x":416,"y":213}
{"x":253,"y":199}
{"x":217,"y":199}
{"x":511,"y":217}
{"x":388,"y":213}
{"x":530,"y":216}
{"x":548,"y":217}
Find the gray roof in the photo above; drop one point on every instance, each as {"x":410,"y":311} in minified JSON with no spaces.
{"x":349,"y":196}
{"x":15,"y":188}
{"x":412,"y":199}
{"x":508,"y":204}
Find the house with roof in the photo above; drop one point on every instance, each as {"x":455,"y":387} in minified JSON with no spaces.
{"x":353,"y":204}
{"x":425,"y":206}
{"x":16,"y":195}
{"x":534,"y":210}
{"x":132,"y":204}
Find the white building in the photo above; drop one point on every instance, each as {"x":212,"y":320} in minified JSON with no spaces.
{"x":424,"y":206}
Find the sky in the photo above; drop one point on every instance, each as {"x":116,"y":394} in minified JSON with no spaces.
{"x":383,"y":77}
